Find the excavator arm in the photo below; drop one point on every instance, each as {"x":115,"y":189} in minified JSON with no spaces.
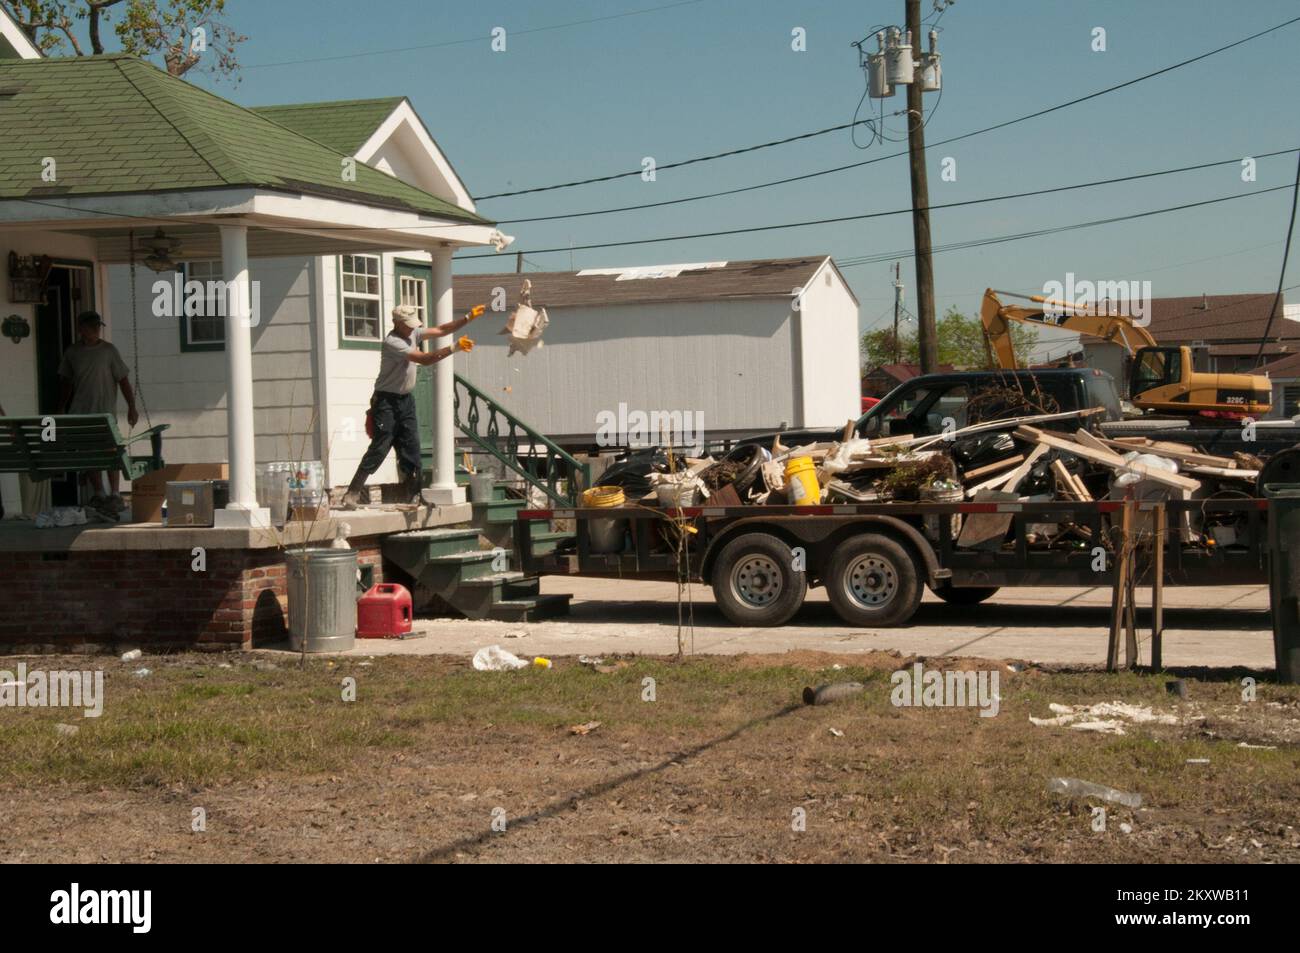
{"x":996,"y":318}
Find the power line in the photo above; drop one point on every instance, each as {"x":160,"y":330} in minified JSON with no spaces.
{"x":475,"y":39}
{"x":829,"y":129}
{"x":852,"y":218}
{"x":1286,"y":253}
{"x":976,"y":243}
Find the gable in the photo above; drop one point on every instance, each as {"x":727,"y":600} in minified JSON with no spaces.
{"x":14,"y":44}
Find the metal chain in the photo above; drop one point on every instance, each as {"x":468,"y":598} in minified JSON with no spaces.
{"x":135,"y":337}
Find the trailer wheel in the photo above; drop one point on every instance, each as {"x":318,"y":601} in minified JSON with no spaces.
{"x":872,"y":580}
{"x":964,"y":595}
{"x":755,"y":583}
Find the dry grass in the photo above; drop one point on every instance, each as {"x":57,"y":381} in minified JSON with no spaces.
{"x":711,"y":770}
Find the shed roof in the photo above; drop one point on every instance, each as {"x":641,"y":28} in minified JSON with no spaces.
{"x":1283,"y":369}
{"x":119,"y":125}
{"x":344,"y":125}
{"x":732,"y":280}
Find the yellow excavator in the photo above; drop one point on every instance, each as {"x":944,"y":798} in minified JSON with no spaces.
{"x":1162,"y":378}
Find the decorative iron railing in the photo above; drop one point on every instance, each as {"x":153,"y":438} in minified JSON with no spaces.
{"x":524,"y":451}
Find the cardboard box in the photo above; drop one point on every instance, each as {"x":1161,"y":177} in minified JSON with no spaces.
{"x":149,"y":492}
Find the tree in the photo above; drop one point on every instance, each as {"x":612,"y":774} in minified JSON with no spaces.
{"x":184,"y":33}
{"x":961,"y":344}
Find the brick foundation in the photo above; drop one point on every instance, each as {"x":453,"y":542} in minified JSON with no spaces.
{"x":99,"y":600}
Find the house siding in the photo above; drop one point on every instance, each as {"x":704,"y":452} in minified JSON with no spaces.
{"x":187,"y":389}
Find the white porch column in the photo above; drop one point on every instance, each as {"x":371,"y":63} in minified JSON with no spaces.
{"x":444,"y":489}
{"x":242,"y":510}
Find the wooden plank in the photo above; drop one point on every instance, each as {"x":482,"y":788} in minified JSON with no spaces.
{"x":1014,"y":478}
{"x":1063,"y":479}
{"x":1226,"y":474}
{"x":1158,"y":590}
{"x":993,"y":467}
{"x":1188,"y":456}
{"x":1108,"y":458}
{"x":987,"y":530}
{"x":1119,"y":588}
{"x":1009,"y":422}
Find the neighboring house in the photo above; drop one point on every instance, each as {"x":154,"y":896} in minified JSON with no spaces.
{"x":1223,"y":332}
{"x":1285,"y":374}
{"x":886,"y":377}
{"x":729,"y":342}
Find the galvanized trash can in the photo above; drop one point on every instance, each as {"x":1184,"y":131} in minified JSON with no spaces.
{"x":322,"y":599}
{"x":1284,"y":576}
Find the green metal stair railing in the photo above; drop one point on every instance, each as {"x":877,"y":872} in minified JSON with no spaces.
{"x":496,"y":431}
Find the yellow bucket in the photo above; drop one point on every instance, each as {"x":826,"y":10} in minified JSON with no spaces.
{"x":604,"y":496}
{"x":802,"y":488}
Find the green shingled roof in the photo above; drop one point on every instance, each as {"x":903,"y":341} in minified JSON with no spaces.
{"x":343,"y":125}
{"x":117,"y":125}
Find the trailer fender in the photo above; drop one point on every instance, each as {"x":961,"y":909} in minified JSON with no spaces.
{"x":815,"y":531}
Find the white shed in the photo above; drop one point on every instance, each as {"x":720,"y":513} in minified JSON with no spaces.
{"x":732,"y":347}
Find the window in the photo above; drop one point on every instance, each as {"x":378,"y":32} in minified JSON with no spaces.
{"x":360,"y":292}
{"x":411,"y":290}
{"x":203,"y":321}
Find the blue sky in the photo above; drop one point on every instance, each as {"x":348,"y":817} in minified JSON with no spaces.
{"x":702,"y":77}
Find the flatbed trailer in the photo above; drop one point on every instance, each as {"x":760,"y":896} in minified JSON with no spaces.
{"x":875,"y":558}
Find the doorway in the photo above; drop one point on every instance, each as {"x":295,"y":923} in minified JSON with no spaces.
{"x":69,"y":290}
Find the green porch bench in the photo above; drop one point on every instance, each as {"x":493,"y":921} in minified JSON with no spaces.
{"x":80,"y":443}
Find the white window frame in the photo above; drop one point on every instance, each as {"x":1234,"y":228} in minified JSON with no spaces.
{"x":203,"y":270}
{"x":346,"y":295}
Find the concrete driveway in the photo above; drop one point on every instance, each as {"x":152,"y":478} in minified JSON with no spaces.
{"x":1219,"y":627}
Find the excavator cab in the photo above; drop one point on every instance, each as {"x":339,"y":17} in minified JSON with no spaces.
{"x":1154,"y":367}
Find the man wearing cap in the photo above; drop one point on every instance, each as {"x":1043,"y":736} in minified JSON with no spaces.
{"x":392,"y":408}
{"x":90,"y":375}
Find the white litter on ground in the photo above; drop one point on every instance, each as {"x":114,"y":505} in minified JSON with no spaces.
{"x":1106,"y":717}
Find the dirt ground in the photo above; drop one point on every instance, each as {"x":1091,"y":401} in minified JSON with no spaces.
{"x":719,"y":767}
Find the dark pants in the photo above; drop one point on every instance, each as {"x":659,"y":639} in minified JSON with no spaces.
{"x":395,"y":425}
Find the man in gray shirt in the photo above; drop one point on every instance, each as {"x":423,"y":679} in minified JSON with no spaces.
{"x":392,"y":408}
{"x":91,"y":374}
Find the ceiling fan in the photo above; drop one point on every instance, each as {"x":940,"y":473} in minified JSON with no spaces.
{"x":159,"y":252}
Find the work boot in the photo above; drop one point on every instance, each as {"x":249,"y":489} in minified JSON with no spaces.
{"x":411,"y":489}
{"x":352,"y":498}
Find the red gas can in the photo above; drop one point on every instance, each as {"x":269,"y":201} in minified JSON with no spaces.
{"x":384,"y":612}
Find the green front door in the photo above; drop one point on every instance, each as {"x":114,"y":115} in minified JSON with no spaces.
{"x":413,"y":282}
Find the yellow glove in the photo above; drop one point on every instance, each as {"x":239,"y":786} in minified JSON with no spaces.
{"x":465,"y":344}
{"x":477,"y":311}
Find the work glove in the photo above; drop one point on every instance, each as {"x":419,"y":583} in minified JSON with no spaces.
{"x":465,"y":344}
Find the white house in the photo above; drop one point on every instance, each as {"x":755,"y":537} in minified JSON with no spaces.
{"x":301,"y":209}
{"x":741,"y":345}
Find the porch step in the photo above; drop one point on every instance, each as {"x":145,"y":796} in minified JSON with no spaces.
{"x":496,"y":511}
{"x":451,"y":568}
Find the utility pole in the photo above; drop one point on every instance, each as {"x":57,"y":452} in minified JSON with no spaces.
{"x":898,"y":306}
{"x":926,"y":331}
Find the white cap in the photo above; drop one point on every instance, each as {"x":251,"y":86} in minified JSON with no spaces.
{"x":405,"y":315}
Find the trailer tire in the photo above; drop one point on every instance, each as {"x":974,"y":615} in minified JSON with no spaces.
{"x":755,"y":582}
{"x":964,"y":595}
{"x":872,"y":580}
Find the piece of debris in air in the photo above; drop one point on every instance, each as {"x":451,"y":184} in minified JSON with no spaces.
{"x":1106,"y":717}
{"x":526,"y":323}
{"x":836,"y":732}
{"x":493,"y":658}
{"x":1074,"y":787}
